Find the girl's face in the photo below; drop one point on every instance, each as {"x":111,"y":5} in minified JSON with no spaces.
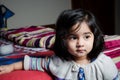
{"x":80,"y":41}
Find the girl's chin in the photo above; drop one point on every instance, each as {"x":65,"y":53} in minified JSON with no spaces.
{"x":81,"y":55}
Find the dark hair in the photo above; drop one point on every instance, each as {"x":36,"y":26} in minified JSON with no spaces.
{"x":65,"y":21}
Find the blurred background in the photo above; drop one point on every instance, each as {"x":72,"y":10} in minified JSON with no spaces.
{"x":43,"y":12}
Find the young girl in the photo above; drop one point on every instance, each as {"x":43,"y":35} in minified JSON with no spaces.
{"x":78,"y":45}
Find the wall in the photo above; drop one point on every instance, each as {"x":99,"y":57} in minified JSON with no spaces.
{"x":35,"y":12}
{"x":117,"y":17}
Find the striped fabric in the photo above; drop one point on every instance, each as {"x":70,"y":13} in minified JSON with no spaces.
{"x":32,"y":36}
{"x":112,"y":45}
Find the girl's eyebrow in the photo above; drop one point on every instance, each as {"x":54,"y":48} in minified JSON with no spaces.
{"x":83,"y":33}
{"x":87,"y":33}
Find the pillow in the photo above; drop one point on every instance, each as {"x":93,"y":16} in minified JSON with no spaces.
{"x":112,"y":48}
{"x":112,"y":41}
{"x":31,"y":36}
{"x":26,"y":75}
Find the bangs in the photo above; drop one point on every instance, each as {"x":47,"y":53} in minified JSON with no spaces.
{"x":75,"y":28}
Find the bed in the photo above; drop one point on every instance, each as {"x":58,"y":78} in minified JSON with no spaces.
{"x":37,"y":41}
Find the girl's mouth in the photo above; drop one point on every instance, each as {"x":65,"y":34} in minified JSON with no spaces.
{"x":80,"y":51}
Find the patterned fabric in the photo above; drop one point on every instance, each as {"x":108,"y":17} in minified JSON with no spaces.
{"x":81,"y":74}
{"x":32,"y":36}
{"x":112,"y":45}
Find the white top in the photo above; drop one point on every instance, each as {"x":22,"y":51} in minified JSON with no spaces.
{"x":103,"y":68}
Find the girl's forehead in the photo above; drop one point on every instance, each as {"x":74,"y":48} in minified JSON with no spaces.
{"x":80,"y":27}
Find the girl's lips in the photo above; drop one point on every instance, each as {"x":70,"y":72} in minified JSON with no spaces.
{"x":80,"y":51}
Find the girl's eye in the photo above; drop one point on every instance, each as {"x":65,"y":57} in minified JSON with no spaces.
{"x":72,"y":37}
{"x":87,"y":37}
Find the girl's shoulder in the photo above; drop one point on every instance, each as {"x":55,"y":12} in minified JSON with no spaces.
{"x":58,"y":61}
{"x":103,"y":59}
{"x":106,"y":65}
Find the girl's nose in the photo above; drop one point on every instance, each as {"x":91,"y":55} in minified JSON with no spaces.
{"x":79,"y":44}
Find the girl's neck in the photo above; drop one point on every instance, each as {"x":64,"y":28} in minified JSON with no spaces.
{"x":82,"y":61}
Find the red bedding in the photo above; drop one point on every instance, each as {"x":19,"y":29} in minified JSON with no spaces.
{"x":26,"y":75}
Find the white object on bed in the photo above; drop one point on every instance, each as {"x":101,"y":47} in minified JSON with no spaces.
{"x":6,"y":49}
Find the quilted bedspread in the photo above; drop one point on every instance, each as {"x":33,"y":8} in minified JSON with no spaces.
{"x":31,"y":36}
